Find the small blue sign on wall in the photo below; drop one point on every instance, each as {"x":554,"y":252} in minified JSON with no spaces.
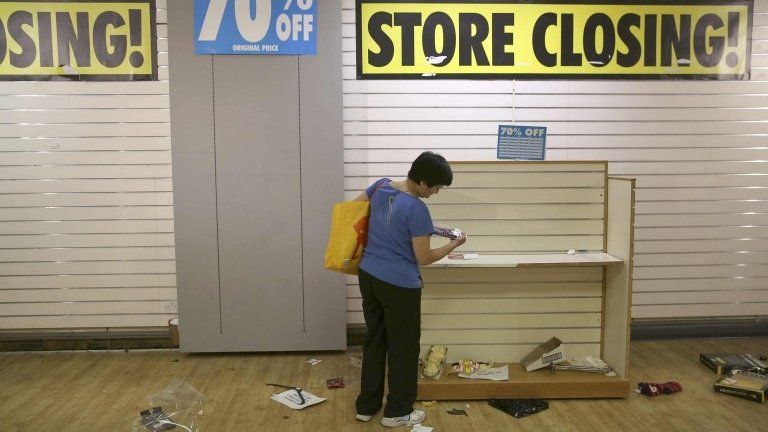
{"x":256,"y":27}
{"x":521,"y":142}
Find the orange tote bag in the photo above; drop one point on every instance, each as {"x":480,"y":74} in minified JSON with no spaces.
{"x":349,"y":233}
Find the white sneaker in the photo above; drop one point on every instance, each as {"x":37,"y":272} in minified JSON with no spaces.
{"x":414,"y":418}
{"x":363,"y":417}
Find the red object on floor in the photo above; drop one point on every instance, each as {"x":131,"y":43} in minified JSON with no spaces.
{"x":655,"y":389}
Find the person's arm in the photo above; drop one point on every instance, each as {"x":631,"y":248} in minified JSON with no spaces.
{"x":425,"y":255}
{"x":362,"y":197}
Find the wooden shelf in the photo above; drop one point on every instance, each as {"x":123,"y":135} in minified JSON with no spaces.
{"x":501,"y":305}
{"x":541,"y":384}
{"x":539,"y":260}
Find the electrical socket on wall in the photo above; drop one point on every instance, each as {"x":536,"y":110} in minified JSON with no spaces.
{"x":169,"y":307}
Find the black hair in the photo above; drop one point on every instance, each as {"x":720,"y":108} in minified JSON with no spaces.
{"x":432,"y":168}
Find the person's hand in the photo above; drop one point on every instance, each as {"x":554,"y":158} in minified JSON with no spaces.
{"x":458,"y":241}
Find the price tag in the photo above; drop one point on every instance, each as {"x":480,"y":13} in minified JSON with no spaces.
{"x":521,"y":142}
{"x":255,"y":27}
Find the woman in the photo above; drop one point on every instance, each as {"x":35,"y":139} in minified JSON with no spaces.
{"x":390,"y":283}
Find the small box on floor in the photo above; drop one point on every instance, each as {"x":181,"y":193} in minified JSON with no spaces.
{"x":547,"y":353}
{"x":746,"y":385}
{"x":724,"y":363}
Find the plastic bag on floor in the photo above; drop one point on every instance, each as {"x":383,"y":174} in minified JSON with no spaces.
{"x":176,"y":407}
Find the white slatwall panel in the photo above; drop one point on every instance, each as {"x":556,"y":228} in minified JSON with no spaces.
{"x":697,"y":148}
{"x":507,"y":210}
{"x":502,"y":314}
{"x":518,"y":208}
{"x":86,"y":206}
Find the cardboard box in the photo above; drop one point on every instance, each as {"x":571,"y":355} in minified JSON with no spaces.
{"x":746,"y":385}
{"x":547,"y":353}
{"x":724,"y":363}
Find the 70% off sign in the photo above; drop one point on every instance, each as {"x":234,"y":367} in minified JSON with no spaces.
{"x":255,"y":26}
{"x":521,"y":142}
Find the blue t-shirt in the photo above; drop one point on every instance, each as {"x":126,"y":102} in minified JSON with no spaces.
{"x":396,"y":218}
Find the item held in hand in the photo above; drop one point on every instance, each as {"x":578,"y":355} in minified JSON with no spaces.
{"x":335,"y":383}
{"x":448,"y":232}
{"x":519,"y":407}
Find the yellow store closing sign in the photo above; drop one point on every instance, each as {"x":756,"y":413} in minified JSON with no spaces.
{"x":707,"y":39}
{"x":78,"y":40}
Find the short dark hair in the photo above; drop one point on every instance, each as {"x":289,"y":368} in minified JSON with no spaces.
{"x":432,"y":168}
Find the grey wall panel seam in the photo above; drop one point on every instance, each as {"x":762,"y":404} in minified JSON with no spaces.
{"x":216,"y":188}
{"x":301,"y":203}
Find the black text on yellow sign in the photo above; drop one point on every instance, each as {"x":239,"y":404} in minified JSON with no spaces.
{"x":78,"y":40}
{"x":706,"y":39}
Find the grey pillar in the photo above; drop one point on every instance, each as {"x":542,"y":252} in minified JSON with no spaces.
{"x":257,"y":164}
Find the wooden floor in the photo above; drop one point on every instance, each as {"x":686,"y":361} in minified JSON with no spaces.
{"x":103,"y":391}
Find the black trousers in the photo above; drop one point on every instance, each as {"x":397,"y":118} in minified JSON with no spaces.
{"x":393,"y":318}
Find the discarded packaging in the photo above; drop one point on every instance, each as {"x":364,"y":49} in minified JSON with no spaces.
{"x":355,"y":362}
{"x":586,"y":364}
{"x":656,"y":389}
{"x":177,"y":405}
{"x":746,"y":385}
{"x":500,"y":373}
{"x":434,"y":362}
{"x":519,"y":407}
{"x":463,"y":256}
{"x":469,"y":366}
{"x":723,"y":363}
{"x":155,"y":420}
{"x":335,"y":383}
{"x":293,"y":399}
{"x":547,"y":353}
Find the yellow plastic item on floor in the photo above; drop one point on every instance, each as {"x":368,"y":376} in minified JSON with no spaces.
{"x":349,"y":233}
